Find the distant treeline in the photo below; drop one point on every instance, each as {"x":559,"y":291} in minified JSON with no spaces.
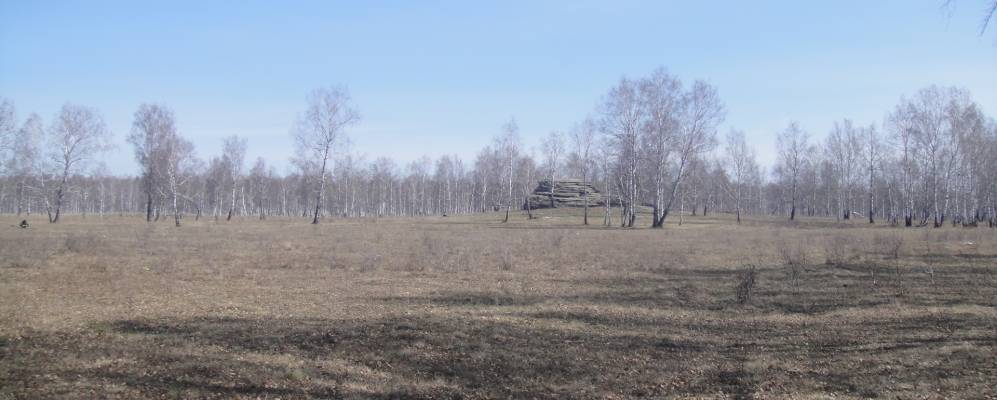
{"x":653,"y":143}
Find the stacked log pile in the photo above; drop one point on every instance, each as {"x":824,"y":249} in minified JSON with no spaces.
{"x":564,"y":193}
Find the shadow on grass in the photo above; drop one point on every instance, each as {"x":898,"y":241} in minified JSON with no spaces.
{"x":621,"y":337}
{"x":819,"y":289}
{"x":403,"y":357}
{"x":544,"y":354}
{"x":466,"y":299}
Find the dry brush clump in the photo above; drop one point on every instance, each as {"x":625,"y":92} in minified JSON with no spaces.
{"x":795,"y":259}
{"x":841,"y":248}
{"x":746,"y":285}
{"x":890,"y":244}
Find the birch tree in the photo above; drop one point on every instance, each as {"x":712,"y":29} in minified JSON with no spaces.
{"x":153,"y":125}
{"x":487,"y":169}
{"x":258,"y":180}
{"x":935,"y":126}
{"x":25,"y":162}
{"x":662,"y":96}
{"x":872,"y":158}
{"x":177,"y":168}
{"x":792,"y":147}
{"x":8,"y":124}
{"x":553,"y":149}
{"x":233,"y":157}
{"x":622,"y":114}
{"x":701,"y":112}
{"x":525,"y":168}
{"x":77,"y":135}
{"x":844,"y":146}
{"x":507,"y":145}
{"x":901,"y":123}
{"x":320,"y":130}
{"x":741,"y":166}
{"x":8,"y":127}
{"x":583,"y":138}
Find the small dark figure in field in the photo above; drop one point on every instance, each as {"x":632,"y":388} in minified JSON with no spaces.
{"x":23,"y":224}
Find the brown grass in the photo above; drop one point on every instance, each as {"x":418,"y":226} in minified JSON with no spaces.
{"x":466,"y":307}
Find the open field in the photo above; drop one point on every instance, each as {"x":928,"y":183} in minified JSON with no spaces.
{"x":465,"y":307}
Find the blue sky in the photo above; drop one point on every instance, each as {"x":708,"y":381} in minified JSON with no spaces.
{"x":440,"y":77}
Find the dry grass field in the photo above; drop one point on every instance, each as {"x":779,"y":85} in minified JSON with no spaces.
{"x":466,"y":307}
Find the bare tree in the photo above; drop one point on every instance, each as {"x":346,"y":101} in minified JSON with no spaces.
{"x":935,"y":137}
{"x":583,"y":137}
{"x":419,"y":171}
{"x":100,"y":175}
{"x":741,"y":167}
{"x":259,"y":177}
{"x":77,"y":134}
{"x":989,"y":9}
{"x":487,"y":177}
{"x":989,"y":178}
{"x":844,"y":147}
{"x":525,"y":169}
{"x":153,"y":125}
{"x":605,"y":155}
{"x":319,"y":130}
{"x":792,"y":144}
{"x":988,"y":15}
{"x":8,"y":126}
{"x":873,"y":158}
{"x":178,"y":164}
{"x":662,"y":96}
{"x":445,"y":178}
{"x":622,"y":113}
{"x":214,"y":181}
{"x":901,"y":122}
{"x":553,"y":148}
{"x":702,"y":111}
{"x":507,"y":146}
{"x":234,"y":155}
{"x":25,"y":161}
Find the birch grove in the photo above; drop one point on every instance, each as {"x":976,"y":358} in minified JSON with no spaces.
{"x":649,"y":145}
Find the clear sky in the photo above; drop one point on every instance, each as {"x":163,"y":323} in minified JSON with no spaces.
{"x":440,"y":77}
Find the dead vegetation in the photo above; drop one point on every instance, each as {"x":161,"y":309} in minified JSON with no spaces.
{"x":746,"y":285}
{"x":465,"y":307}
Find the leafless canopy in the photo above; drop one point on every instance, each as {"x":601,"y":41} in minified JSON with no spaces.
{"x":77,"y":134}
{"x":989,"y":9}
{"x":319,"y":130}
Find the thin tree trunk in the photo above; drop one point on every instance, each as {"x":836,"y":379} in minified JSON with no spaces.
{"x":585,"y":210}
{"x":321,"y":188}
{"x":231,"y":208}
{"x":737,"y":205}
{"x":176,"y":208}
{"x":675,"y":189}
{"x":59,"y":193}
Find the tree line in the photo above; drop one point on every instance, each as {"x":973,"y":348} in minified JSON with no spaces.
{"x":651,"y":143}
